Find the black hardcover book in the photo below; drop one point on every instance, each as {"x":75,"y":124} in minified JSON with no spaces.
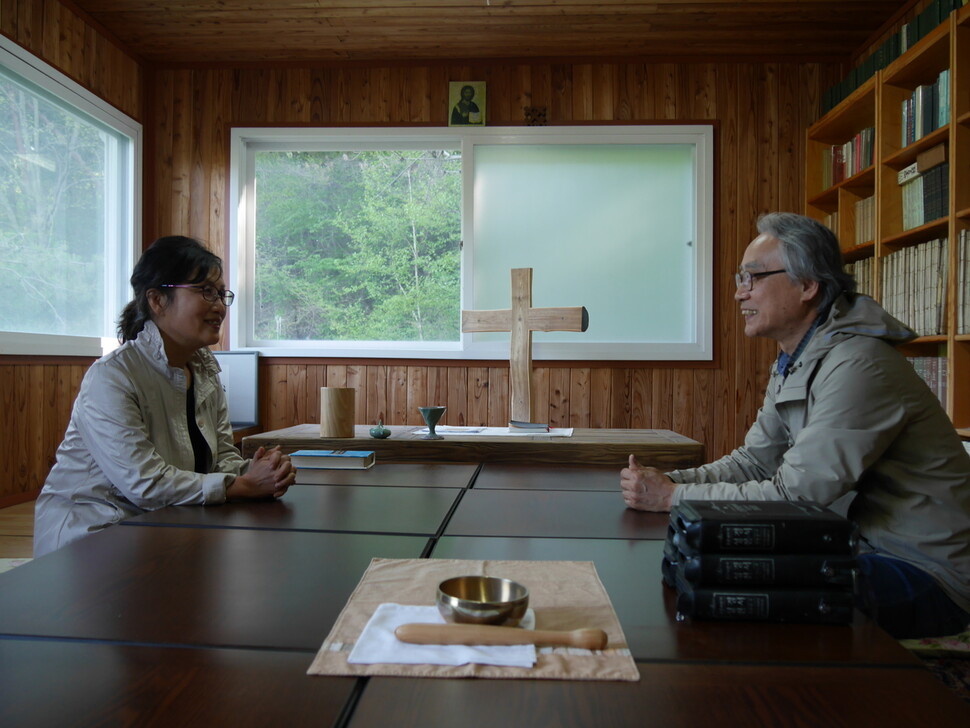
{"x":805,"y":570}
{"x":670,"y":561}
{"x":792,"y":527}
{"x":817,"y":606}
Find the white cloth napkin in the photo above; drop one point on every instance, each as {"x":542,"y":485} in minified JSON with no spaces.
{"x":377,"y":643}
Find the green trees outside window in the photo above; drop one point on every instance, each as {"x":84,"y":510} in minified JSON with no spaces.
{"x":358,"y":245}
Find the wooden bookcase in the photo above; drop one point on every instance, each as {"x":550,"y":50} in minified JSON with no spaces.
{"x":878,"y":103}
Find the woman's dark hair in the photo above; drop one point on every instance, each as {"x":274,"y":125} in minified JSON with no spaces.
{"x":171,"y":259}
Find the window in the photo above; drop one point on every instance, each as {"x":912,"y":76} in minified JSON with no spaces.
{"x":370,"y":242}
{"x":67,"y":210}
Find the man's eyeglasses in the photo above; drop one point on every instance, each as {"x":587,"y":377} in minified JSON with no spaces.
{"x":209,"y":293}
{"x":745,"y":279}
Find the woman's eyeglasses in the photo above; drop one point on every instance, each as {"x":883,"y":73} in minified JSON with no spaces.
{"x":209,"y":293}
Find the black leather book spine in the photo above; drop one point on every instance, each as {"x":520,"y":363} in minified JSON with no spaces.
{"x":763,"y":528}
{"x":807,"y":570}
{"x":817,"y":606}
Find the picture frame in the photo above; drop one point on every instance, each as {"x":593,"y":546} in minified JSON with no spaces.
{"x":466,"y":103}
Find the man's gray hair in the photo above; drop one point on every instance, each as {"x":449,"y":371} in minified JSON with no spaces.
{"x":809,"y":252}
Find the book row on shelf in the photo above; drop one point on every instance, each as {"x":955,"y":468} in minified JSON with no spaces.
{"x":963,"y":283}
{"x":865,"y":220}
{"x":844,"y":160}
{"x":935,"y":12}
{"x":914,"y":286}
{"x":927,"y":109}
{"x":933,"y":371}
{"x":862,"y":271}
{"x":925,"y":193}
{"x":831,"y":221}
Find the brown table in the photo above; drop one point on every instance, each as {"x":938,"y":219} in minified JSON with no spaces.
{"x":338,"y":508}
{"x":220,"y":587}
{"x":548,"y":477}
{"x":672,"y":696}
{"x":91,"y":630}
{"x":630,"y":572}
{"x":547,"y":513}
{"x":56,"y":683}
{"x":660,"y":448}
{"x":416,"y":475}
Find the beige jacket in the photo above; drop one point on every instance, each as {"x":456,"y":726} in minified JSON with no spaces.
{"x":127,"y":449}
{"x":853,"y":418}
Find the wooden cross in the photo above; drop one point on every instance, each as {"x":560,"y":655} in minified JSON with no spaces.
{"x":521,"y":320}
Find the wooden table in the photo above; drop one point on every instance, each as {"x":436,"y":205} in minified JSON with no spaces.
{"x":672,"y":696}
{"x":55,"y":683}
{"x":211,"y":616}
{"x":551,"y":514}
{"x":335,"y":508}
{"x":548,"y":477}
{"x":215,"y":587}
{"x":660,"y":448}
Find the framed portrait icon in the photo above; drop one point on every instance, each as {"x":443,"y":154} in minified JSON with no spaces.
{"x":466,"y":103}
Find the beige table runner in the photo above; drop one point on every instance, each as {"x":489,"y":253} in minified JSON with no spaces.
{"x":564,"y":595}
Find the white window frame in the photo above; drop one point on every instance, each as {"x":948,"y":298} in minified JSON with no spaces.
{"x":117,"y":294}
{"x":246,"y":141}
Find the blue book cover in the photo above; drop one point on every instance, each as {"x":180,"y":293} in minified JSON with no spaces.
{"x":360,"y":459}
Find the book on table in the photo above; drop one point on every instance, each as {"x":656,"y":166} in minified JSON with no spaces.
{"x":783,"y":561}
{"x":793,"y":527}
{"x":520,"y":426}
{"x":770,"y":604}
{"x":745,"y":570}
{"x":334,"y":459}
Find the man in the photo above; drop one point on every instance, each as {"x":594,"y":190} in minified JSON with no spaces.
{"x":844,"y":415}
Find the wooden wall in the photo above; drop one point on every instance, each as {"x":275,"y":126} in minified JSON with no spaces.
{"x":761,"y":111}
{"x":54,"y":32}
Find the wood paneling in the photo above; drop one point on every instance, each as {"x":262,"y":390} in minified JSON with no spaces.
{"x":54,"y":32}
{"x":304,"y":31}
{"x":36,"y":397}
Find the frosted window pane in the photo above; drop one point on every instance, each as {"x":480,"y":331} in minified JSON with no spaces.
{"x":66,"y":210}
{"x":609,"y":227}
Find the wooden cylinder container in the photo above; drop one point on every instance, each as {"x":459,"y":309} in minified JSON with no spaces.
{"x":337,"y":411}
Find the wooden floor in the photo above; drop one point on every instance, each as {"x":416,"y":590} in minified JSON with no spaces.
{"x":17,"y":531}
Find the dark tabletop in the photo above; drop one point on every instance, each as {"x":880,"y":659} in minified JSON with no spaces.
{"x":630,"y":572}
{"x":549,"y":477}
{"x":423,"y":475}
{"x":672,"y":696}
{"x":341,"y":508}
{"x":57,"y":683}
{"x":552,"y":514}
{"x":194,"y":586}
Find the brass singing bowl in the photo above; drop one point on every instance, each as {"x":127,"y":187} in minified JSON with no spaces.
{"x":482,"y":600}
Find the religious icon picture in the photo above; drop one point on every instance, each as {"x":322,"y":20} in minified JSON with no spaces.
{"x":467,"y":99}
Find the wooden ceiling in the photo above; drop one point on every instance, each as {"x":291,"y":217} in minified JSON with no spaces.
{"x":260,"y":31}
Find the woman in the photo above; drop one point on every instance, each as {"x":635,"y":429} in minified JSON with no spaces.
{"x":150,"y":426}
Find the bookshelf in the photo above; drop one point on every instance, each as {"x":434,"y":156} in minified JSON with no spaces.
{"x":937,"y":67}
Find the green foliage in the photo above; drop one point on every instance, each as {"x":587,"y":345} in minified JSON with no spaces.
{"x":358,"y":246}
{"x":52,"y":201}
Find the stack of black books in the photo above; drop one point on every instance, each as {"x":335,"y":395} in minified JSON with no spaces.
{"x":779,"y":561}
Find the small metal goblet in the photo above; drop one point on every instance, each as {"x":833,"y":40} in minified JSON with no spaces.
{"x":431,"y":416}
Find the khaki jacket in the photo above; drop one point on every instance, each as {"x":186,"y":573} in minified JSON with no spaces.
{"x":853,"y":418}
